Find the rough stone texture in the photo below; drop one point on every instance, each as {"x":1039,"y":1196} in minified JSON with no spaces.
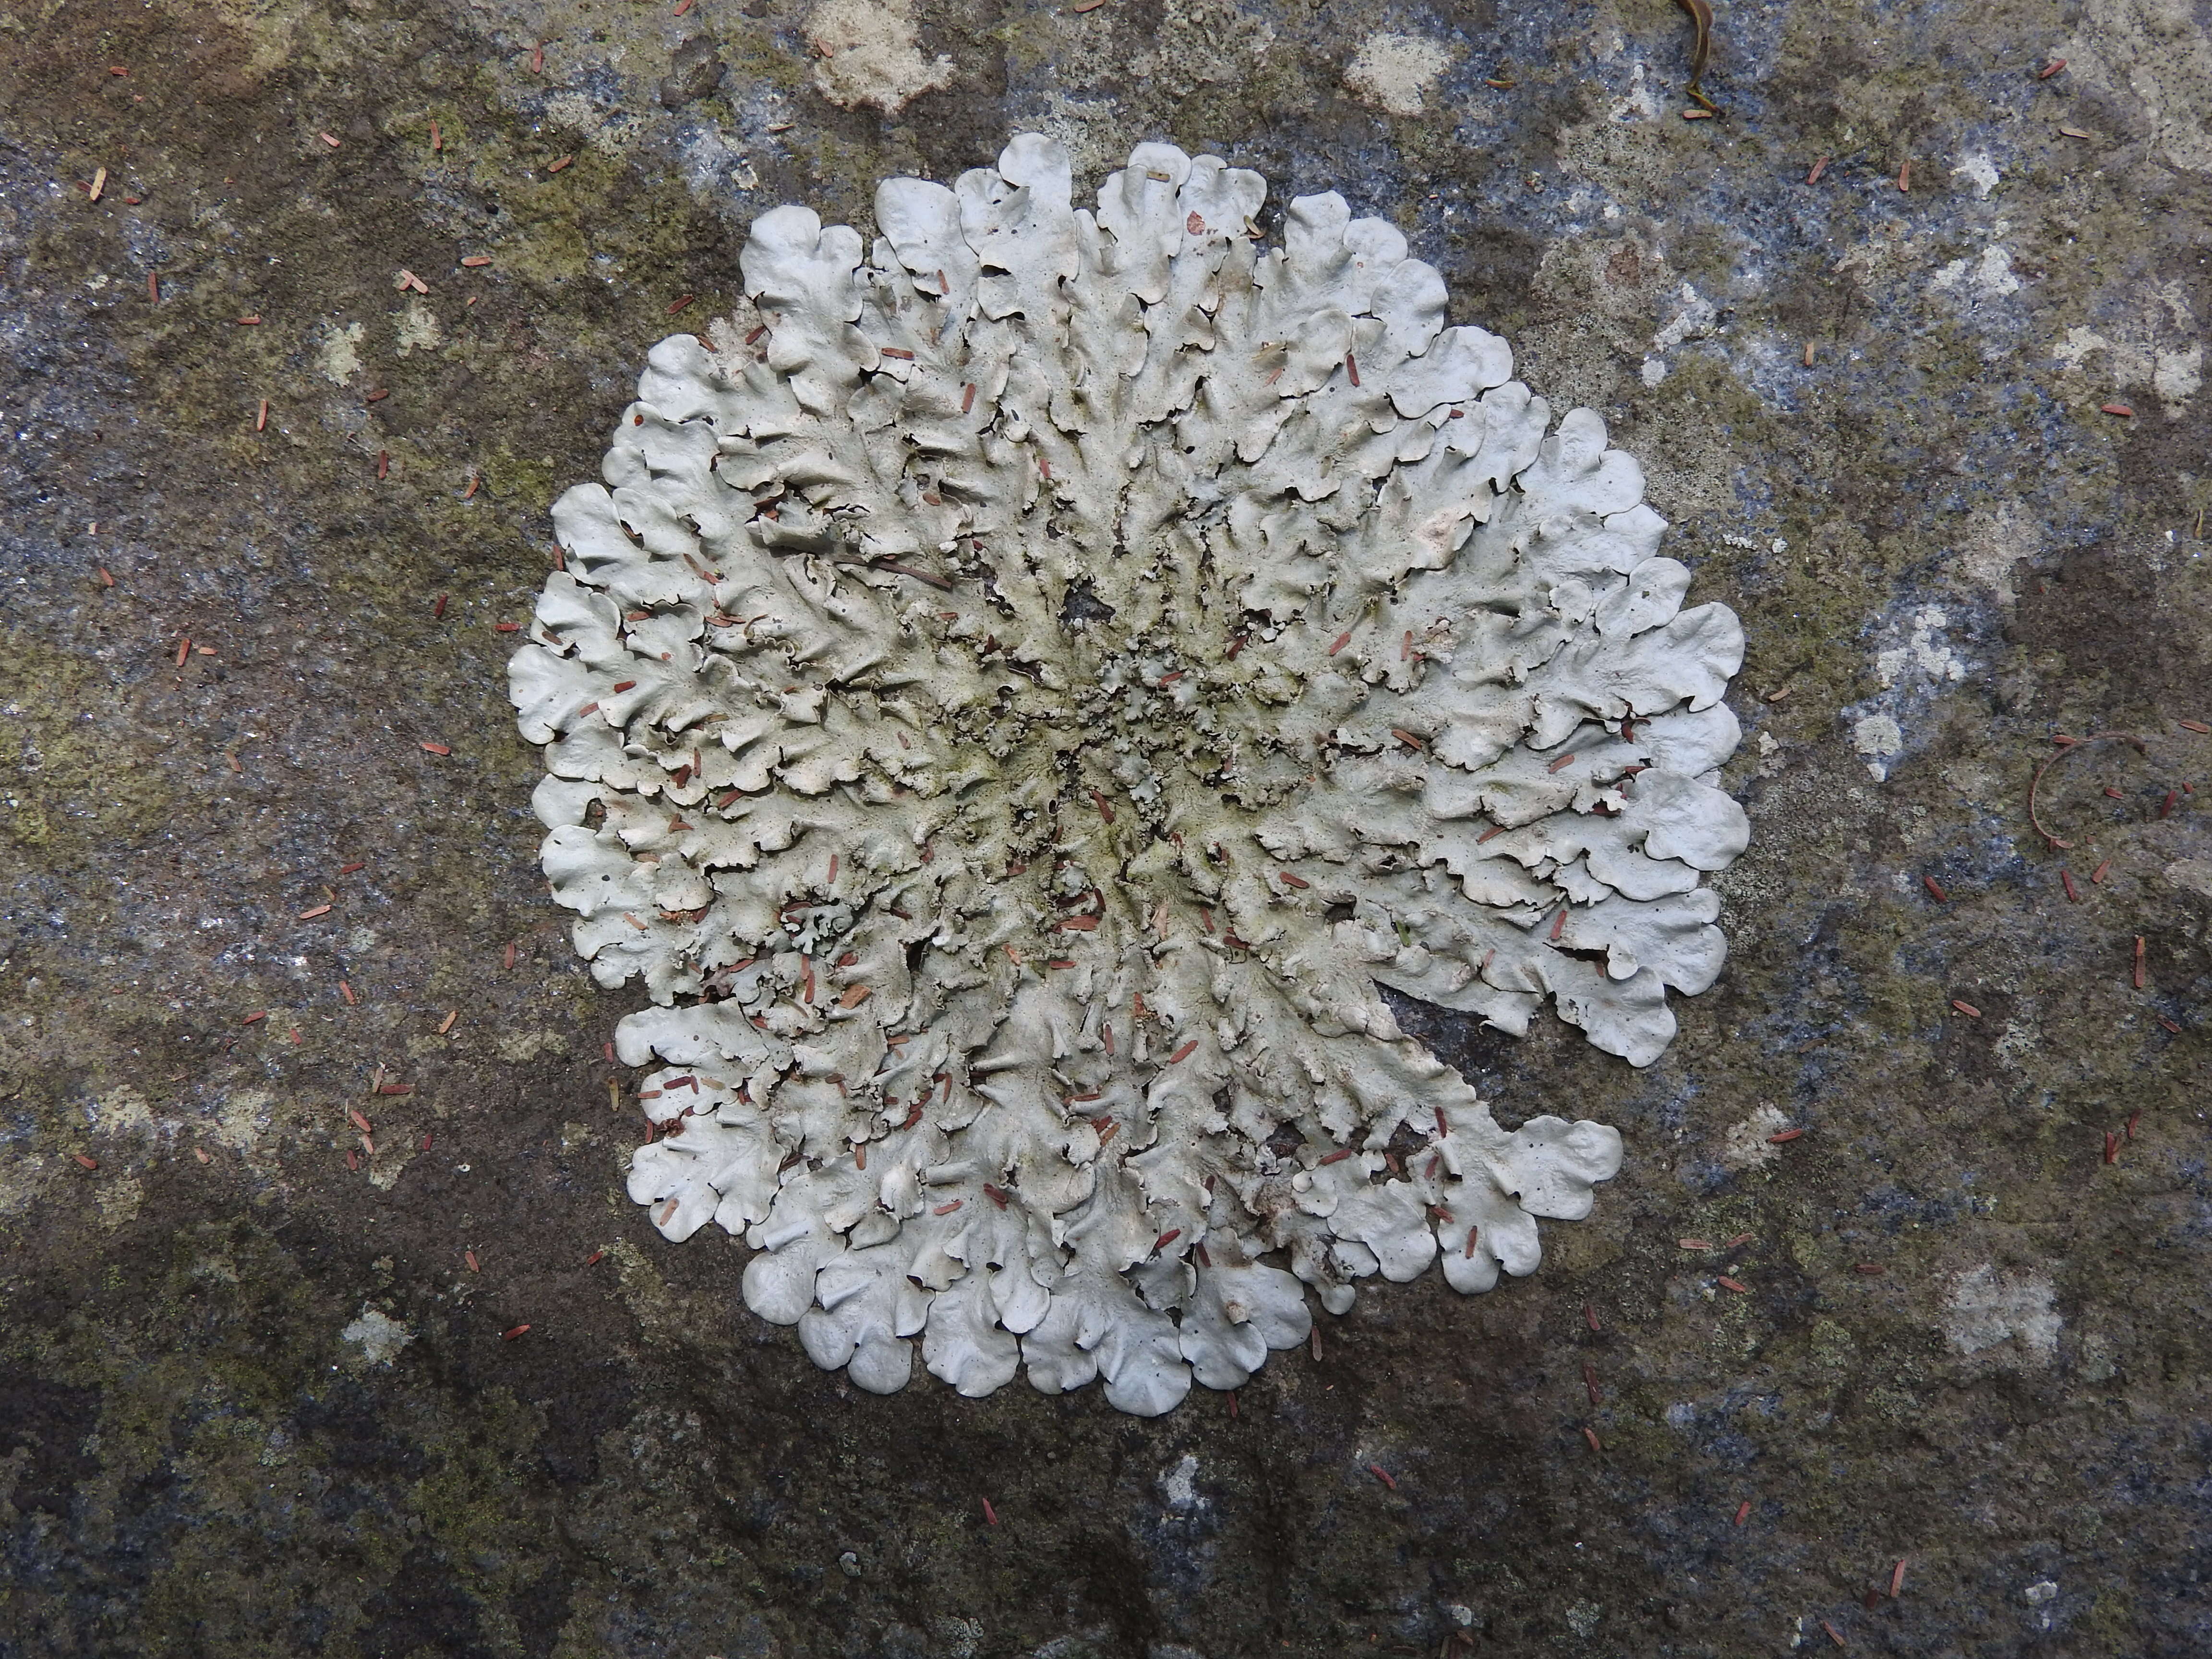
{"x":259,"y":1405}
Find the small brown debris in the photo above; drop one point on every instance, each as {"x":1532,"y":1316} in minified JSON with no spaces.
{"x":555,"y":167}
{"x":2066,"y":880}
{"x":438,"y":142}
{"x":510,"y":1335}
{"x":2072,"y":132}
{"x":1785,"y":1137}
{"x":1834,"y":1635}
{"x":261,"y":421}
{"x":1871,"y":1269}
{"x":154,"y":286}
{"x":200,"y":1152}
{"x":2051,"y":69}
{"x":1590,"y":1435}
{"x":475,"y":261}
{"x":1897,"y":1577}
{"x":1935,"y":890}
{"x":1967,"y":1008}
{"x":329,"y":140}
{"x":1905,"y":177}
{"x":99,"y":183}
{"x":89,"y":1163}
{"x":436,"y":747}
{"x":408,"y":279}
{"x":447,"y":1023}
{"x":2097,"y":875}
{"x":1382,"y":1474}
{"x":345,"y":990}
{"x":318,"y":910}
{"x":383,"y":464}
{"x":105,"y":580}
{"x":537,"y":58}
{"x":2121,"y":409}
{"x":679,"y":304}
{"x":2139,"y":962}
{"x":1743,"y":1511}
{"x":2112,"y":1147}
{"x":1735,"y":1284}
{"x":2198,"y":727}
{"x":1819,"y":168}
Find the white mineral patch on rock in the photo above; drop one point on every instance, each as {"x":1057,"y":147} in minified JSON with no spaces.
{"x":337,"y":360}
{"x":1179,"y":1486}
{"x":1746,"y":1146}
{"x":242,"y":1120}
{"x":1979,"y":172}
{"x":2176,"y":376}
{"x":378,"y":1336}
{"x":2154,"y":344}
{"x":1016,"y":710}
{"x":1986,"y":1308}
{"x":1988,"y":277}
{"x":1878,"y":737}
{"x":1394,"y":72}
{"x":1924,"y":650}
{"x":417,"y":328}
{"x":869,"y":55}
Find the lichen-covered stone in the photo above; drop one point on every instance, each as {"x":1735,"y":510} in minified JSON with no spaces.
{"x":1014,"y":707}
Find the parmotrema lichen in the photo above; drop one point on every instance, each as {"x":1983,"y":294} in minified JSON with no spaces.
{"x":1015,"y":707}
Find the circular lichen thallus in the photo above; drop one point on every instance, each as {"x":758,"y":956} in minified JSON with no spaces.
{"x":1017,"y":698}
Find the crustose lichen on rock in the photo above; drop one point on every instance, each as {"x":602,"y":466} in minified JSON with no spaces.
{"x":1015,"y":709}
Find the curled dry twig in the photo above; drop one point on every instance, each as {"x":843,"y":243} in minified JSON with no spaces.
{"x":2067,"y":746}
{"x":1701,"y":14}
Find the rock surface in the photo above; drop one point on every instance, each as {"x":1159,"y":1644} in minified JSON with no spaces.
{"x":266,"y":1382}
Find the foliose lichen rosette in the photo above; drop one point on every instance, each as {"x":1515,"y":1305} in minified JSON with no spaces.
{"x":1016,"y":710}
